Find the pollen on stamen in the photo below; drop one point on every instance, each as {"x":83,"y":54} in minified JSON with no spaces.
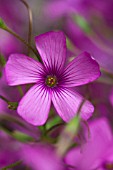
{"x":51,"y":81}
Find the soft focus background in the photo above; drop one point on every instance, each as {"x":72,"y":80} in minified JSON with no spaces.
{"x":78,"y":145}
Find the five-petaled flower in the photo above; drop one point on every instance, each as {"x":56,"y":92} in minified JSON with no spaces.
{"x":54,"y":80}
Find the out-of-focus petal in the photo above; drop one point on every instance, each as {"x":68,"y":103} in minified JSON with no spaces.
{"x":90,"y":156}
{"x":83,"y":69}
{"x":34,"y":106}
{"x":86,"y":43}
{"x":68,"y":102}
{"x":60,"y":8}
{"x":21,"y":69}
{"x":111,"y":97}
{"x":52,"y":48}
{"x":41,"y":157}
{"x":9,"y":150}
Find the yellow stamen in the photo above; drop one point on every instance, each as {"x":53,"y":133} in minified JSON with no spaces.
{"x":51,"y":81}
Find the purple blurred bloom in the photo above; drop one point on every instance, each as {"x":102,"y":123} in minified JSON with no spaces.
{"x":97,"y":152}
{"x":100,"y":93}
{"x":86,"y":8}
{"x":83,"y":42}
{"x":98,"y":40}
{"x":52,"y":80}
{"x":8,"y":43}
{"x":8,"y":150}
{"x":16,"y":125}
{"x":10,"y":13}
{"x":41,"y":157}
{"x":111,"y":97}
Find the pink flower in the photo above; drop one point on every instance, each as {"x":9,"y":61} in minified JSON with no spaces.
{"x":41,"y":156}
{"x":8,"y":150}
{"x":97,"y":152}
{"x":53,"y":80}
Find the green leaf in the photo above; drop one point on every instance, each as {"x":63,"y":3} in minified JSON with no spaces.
{"x":21,"y":136}
{"x":2,"y":24}
{"x":53,"y":122}
{"x":66,"y":138}
{"x":2,"y":60}
{"x":69,"y":44}
{"x":12,"y":105}
{"x":82,"y":23}
{"x":72,"y":126}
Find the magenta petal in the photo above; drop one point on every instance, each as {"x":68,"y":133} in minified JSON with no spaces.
{"x":67,"y":103}
{"x":41,"y":157}
{"x":52,"y":48}
{"x":21,"y":69}
{"x":34,"y":106}
{"x":83,"y":69}
{"x":94,"y":151}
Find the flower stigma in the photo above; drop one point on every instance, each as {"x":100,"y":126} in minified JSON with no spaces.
{"x":51,"y":81}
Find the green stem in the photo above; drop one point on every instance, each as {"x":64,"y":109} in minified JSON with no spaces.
{"x":23,"y":41}
{"x":43,"y":130}
{"x":81,"y":105}
{"x":20,"y":91}
{"x":3,"y":98}
{"x":55,"y":126}
{"x":30,"y":23}
{"x":2,"y":60}
{"x":87,"y":126}
{"x":11,"y":105}
{"x":12,"y":165}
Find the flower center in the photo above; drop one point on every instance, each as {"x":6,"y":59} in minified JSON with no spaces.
{"x":51,"y":81}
